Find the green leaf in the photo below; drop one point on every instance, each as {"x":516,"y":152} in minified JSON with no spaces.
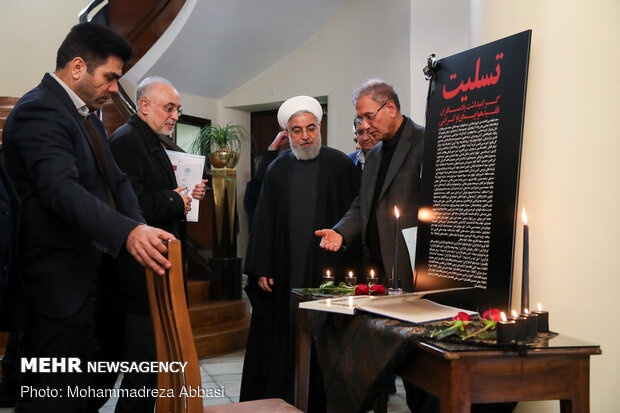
{"x":213,"y":137}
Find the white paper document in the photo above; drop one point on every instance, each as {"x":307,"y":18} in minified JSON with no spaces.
{"x":406,"y":307}
{"x":411,"y":237}
{"x":188,"y":171}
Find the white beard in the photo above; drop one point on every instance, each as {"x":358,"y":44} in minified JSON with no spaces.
{"x":306,"y":153}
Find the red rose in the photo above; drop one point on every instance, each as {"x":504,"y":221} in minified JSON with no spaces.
{"x":461,"y":316}
{"x":361,"y":289}
{"x":377,"y":289}
{"x":492,"y":314}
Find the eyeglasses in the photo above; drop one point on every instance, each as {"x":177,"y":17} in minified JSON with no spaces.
{"x":360,"y":132}
{"x":169,"y":109}
{"x":370,"y":117}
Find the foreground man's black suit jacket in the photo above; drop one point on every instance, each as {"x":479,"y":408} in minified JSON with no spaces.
{"x":67,"y":221}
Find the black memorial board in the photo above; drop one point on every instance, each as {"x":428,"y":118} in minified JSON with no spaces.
{"x":472,"y":153}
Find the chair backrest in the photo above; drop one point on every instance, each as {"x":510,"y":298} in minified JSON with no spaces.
{"x":174,"y":338}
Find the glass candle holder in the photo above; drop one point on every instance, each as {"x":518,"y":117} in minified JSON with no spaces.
{"x":520,"y":326}
{"x":351,"y":279}
{"x":532,"y":324}
{"x":506,"y":332}
{"x":543,"y":319}
{"x":372,"y":278}
{"x":328,"y":276}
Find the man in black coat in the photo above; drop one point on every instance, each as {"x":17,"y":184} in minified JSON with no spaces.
{"x":127,"y":329}
{"x":9,"y":225}
{"x":392,"y":177}
{"x":254,"y":186}
{"x":11,"y":295}
{"x":304,"y":189}
{"x":78,"y":208}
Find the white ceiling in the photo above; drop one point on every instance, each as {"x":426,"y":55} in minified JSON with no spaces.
{"x":226,"y":43}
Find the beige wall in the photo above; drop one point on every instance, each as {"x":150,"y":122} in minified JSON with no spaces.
{"x":570,"y":171}
{"x":439,"y":27}
{"x":366,"y":38}
{"x":31,"y":32}
{"x":569,"y":179}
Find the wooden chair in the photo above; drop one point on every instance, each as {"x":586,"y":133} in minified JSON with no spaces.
{"x":173,"y":335}
{"x":255,"y":406}
{"x":175,"y":342}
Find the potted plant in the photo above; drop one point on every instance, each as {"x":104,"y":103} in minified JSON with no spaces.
{"x":222,"y":144}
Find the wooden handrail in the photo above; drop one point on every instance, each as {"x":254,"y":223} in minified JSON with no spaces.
{"x":141,"y":23}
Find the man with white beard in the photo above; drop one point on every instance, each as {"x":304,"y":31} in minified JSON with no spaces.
{"x":303,"y":189}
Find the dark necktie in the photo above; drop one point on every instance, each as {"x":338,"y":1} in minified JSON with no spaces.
{"x":101,"y":158}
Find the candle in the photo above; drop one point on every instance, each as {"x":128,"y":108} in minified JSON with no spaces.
{"x":328,"y":276}
{"x":525,"y":279}
{"x":395,"y":279}
{"x":351,"y":279}
{"x":520,"y":326}
{"x":372,"y":279}
{"x":505,"y":331}
{"x":532,"y":323}
{"x":543,"y":319}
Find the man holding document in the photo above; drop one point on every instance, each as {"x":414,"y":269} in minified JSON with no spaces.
{"x":139,"y":153}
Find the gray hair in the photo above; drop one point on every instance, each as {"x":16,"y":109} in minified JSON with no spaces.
{"x":379,"y":90}
{"x":356,"y":122}
{"x":145,"y":86}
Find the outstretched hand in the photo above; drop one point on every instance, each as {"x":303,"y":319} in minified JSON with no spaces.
{"x":264,"y":283}
{"x":144,"y":243}
{"x":331,"y":240}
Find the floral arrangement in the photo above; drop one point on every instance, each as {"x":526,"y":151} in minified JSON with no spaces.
{"x":463,"y":326}
{"x":328,"y":287}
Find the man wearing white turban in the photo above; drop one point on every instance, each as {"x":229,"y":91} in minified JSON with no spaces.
{"x":309,"y":187}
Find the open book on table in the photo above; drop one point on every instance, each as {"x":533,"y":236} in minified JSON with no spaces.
{"x":406,"y":307}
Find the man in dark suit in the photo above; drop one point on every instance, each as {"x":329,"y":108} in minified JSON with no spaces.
{"x":254,"y":186}
{"x":364,"y":142}
{"x":128,"y":332}
{"x":78,"y":208}
{"x":391,"y":178}
{"x":10,"y":286}
{"x":9,"y":218}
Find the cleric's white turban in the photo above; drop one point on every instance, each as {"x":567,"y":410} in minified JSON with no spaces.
{"x":296,"y":104}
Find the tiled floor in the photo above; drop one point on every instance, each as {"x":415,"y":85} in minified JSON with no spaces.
{"x":225,"y":372}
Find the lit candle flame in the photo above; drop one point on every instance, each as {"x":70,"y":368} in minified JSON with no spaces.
{"x":372,"y":273}
{"x":350,"y":273}
{"x":526,"y":311}
{"x":524,"y":216}
{"x":396,"y":213}
{"x":328,"y":273}
{"x":503,"y":317}
{"x":539,"y":307}
{"x":514,"y":314}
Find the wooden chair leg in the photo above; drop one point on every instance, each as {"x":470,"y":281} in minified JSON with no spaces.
{"x":381,"y":404}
